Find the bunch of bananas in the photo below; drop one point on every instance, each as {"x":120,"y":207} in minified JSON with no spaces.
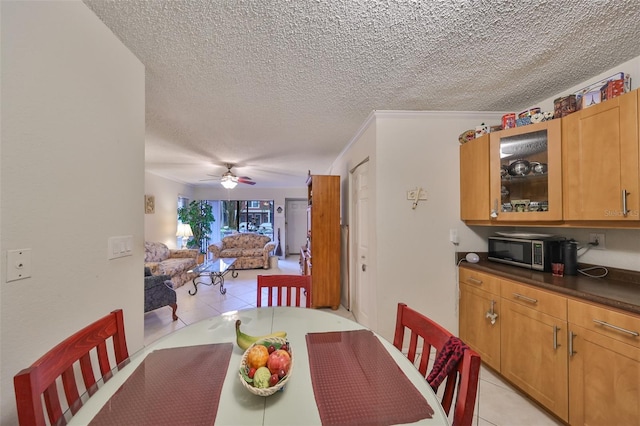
{"x":244,"y":340}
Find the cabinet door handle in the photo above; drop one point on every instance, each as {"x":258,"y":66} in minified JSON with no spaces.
{"x":525,"y":298}
{"x":474,"y":280}
{"x":571,"y":336}
{"x":494,"y":212}
{"x":624,"y":202}
{"x":615,"y":327}
{"x":491,"y":314}
{"x":555,"y":336}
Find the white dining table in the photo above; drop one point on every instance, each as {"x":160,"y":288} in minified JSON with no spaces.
{"x":295,"y":404}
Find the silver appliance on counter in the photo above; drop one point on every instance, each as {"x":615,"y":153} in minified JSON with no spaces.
{"x":526,"y":250}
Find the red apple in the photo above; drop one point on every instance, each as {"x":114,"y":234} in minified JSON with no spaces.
{"x":273,"y":380}
{"x":279,"y":360}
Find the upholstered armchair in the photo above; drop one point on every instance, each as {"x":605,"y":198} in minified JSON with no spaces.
{"x":159,"y":292}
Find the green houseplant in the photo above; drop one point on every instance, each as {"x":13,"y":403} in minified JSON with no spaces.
{"x":199,"y":215}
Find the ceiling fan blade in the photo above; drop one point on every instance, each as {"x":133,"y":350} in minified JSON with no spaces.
{"x":244,"y":180}
{"x":213,"y":177}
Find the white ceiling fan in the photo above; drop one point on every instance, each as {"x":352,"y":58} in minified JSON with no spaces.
{"x":229,"y":180}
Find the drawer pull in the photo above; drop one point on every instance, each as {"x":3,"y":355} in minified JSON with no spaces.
{"x":474,"y":280}
{"x":615,"y":327}
{"x":525,"y":298}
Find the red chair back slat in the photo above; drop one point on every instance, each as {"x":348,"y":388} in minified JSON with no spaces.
{"x":288,"y":290}
{"x":39,"y":380}
{"x":461,"y":383}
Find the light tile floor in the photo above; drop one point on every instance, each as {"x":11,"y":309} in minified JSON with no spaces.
{"x":498,"y":402}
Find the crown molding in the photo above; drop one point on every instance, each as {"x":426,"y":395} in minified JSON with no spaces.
{"x":375,"y":114}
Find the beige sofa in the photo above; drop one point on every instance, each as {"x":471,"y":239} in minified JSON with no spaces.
{"x":250,"y":249}
{"x":162,"y":260}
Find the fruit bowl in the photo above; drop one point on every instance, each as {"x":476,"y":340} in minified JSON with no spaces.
{"x":249,"y":383}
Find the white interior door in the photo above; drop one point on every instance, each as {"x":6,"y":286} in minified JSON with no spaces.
{"x":296,"y":225}
{"x":362,"y":293}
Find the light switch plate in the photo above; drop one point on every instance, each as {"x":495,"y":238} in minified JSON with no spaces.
{"x":411,"y":195}
{"x":18,"y":264}
{"x":120,"y":247}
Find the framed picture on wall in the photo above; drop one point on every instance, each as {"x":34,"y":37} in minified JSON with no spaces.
{"x":149,"y":204}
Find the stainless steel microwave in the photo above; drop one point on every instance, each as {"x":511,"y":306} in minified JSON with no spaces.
{"x":531,"y":253}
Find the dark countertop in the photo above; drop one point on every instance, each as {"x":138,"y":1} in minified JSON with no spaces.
{"x":619,"y":289}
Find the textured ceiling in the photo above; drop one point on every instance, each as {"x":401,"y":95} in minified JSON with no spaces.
{"x":279,"y":87}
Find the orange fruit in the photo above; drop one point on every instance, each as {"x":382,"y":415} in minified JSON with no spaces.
{"x":257,"y":356}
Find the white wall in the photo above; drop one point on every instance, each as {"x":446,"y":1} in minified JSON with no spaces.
{"x":420,"y":150}
{"x":413,"y":258}
{"x":71,"y":176}
{"x":161,"y":225}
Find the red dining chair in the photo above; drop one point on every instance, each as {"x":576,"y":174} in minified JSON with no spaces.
{"x":38,"y":381}
{"x":286,"y":289}
{"x":461,"y":382}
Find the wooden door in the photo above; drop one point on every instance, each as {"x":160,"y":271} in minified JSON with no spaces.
{"x":474,"y":179}
{"x":604,"y":365}
{"x":364,"y":295}
{"x":604,"y":380}
{"x":477,"y":329}
{"x":529,"y":358}
{"x":600,"y":160}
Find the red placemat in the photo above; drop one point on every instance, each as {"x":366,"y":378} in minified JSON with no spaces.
{"x":356,"y":381}
{"x":171,"y":387}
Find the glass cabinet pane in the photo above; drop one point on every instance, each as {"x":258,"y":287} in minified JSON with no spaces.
{"x":524,"y":167}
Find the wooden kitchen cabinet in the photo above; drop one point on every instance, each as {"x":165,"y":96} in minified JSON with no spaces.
{"x":479,"y":320}
{"x":579,"y":359}
{"x":474,"y":179}
{"x":533,"y":344}
{"x":604,"y":366}
{"x":601,"y":161}
{"x":323,"y":233}
{"x":532,"y":192}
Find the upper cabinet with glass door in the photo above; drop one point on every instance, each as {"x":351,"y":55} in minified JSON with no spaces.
{"x":526,"y":173}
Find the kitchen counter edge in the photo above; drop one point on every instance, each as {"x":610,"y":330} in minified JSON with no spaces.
{"x":621,"y":292}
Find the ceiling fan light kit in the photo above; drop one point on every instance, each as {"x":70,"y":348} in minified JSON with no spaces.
{"x":228,"y":182}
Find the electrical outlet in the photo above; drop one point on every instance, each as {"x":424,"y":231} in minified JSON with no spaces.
{"x":597,"y":241}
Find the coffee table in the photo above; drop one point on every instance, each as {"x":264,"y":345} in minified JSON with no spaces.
{"x":215,"y":271}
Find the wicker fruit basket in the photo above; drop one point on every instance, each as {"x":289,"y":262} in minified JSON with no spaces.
{"x":247,"y":382}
